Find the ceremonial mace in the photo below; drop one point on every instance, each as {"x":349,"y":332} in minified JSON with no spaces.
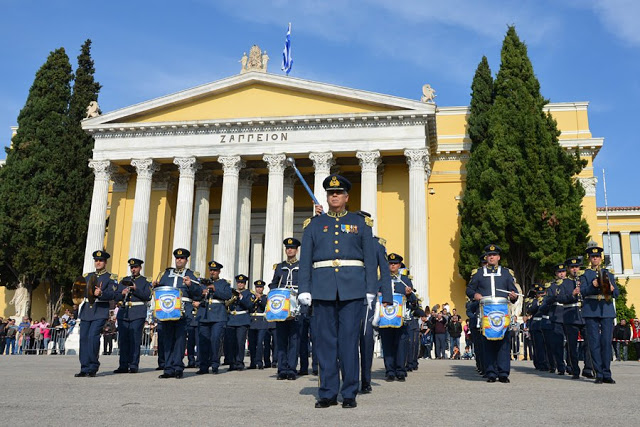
{"x":292,"y":162}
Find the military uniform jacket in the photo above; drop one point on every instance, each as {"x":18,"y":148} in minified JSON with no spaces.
{"x":285,"y":275}
{"x":400,"y":283}
{"x":174,"y":278}
{"x":385,"y":274}
{"x":532,"y":309}
{"x":543,"y":311}
{"x":555,"y":307}
{"x":598,"y":308}
{"x":571,"y":311}
{"x":239,"y":310}
{"x":333,"y":238}
{"x":100,"y":308}
{"x":480,"y":282}
{"x":212,"y":308}
{"x":135,"y":303}
{"x":472,"y":313}
{"x":258,"y":320}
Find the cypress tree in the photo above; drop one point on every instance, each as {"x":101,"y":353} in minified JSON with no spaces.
{"x":530,"y":202}
{"x":474,"y":231}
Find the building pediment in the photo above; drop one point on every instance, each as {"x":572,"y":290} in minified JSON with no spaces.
{"x":257,"y":95}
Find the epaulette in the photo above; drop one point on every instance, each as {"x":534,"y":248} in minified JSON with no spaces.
{"x":580,"y":273}
{"x":383,"y":242}
{"x":546,"y":285}
{"x":197,"y":274}
{"x":404,"y":273}
{"x":474,"y":271}
{"x":114,"y":276}
{"x":513,"y":273}
{"x":228,"y":281}
{"x":559,"y":282}
{"x":307,"y":222}
{"x":410,"y":277}
{"x":85,"y":274}
{"x":275,"y":266}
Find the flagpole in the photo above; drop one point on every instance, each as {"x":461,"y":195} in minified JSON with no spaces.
{"x":606,"y":212}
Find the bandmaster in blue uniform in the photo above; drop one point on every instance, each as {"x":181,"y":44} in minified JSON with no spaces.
{"x":174,"y":331}
{"x":212,"y":318}
{"x":258,"y":327}
{"x":488,"y":282}
{"x":133,"y":296}
{"x":94,"y":312}
{"x":285,"y":276}
{"x":598,"y":313}
{"x":338,"y":273}
{"x":239,"y":321}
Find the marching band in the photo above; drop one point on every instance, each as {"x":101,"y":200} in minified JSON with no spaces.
{"x":343,"y":287}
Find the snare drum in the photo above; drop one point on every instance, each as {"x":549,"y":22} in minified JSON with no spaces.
{"x":391,"y":316}
{"x":167,"y":303}
{"x":282,"y":305}
{"x":495,"y":317}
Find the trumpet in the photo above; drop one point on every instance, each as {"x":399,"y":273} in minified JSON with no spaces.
{"x":604,"y":283}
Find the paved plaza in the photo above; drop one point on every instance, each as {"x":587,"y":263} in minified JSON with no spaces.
{"x":41,"y":390}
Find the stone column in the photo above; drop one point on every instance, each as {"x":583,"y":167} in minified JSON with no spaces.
{"x":229,"y":213}
{"x":256,"y":257}
{"x":102,"y":170}
{"x":200,"y":232}
{"x":369,"y":161}
{"x":289,"y":205}
{"x":273,"y":228}
{"x":184,"y":205}
{"x":140,"y":222}
{"x":244,"y":222}
{"x":418,"y":161}
{"x":322,"y":163}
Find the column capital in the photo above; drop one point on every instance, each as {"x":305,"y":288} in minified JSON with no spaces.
{"x":589,"y":185}
{"x":418,"y":159}
{"x":188,"y":166}
{"x":290,"y":177}
{"x":275,"y":163}
{"x":205,"y":179}
{"x":120,"y":182}
{"x":162,"y":181}
{"x":102,"y":169}
{"x":322,"y":161}
{"x":369,"y":160}
{"x":145,"y":167}
{"x":247,"y":178}
{"x":231,"y":164}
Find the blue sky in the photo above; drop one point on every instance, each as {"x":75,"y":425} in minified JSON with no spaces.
{"x":582,"y":50}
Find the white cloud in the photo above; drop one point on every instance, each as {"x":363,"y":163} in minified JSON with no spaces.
{"x":621,"y":18}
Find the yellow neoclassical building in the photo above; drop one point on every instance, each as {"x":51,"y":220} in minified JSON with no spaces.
{"x":205,"y":169}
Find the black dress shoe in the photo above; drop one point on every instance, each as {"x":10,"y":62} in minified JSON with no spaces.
{"x":260,"y":367}
{"x":302,"y":373}
{"x":160,"y":368}
{"x":190,"y":366}
{"x":202,"y":372}
{"x":165,"y":375}
{"x":390,"y":378}
{"x":325,"y":403}
{"x":560,"y":373}
{"x":214,"y":371}
{"x":315,"y":373}
{"x":80,"y":375}
{"x":504,"y":380}
{"x":349,"y":403}
{"x":121,"y":371}
{"x":366,"y":388}
{"x":252,"y":367}
{"x":409,"y":369}
{"x":590,"y":376}
{"x":133,"y":371}
{"x":291,"y":377}
{"x":599,"y":381}
{"x":491,"y":380}
{"x":575,"y":377}
{"x":552,"y":371}
{"x":282,"y":377}
{"x":179,"y":374}
{"x":401,"y":378}
{"x":608,"y":381}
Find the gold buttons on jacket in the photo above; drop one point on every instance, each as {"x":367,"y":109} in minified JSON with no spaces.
{"x":337,"y":269}
{"x":336,"y":242}
{"x":337,"y":250}
{"x":336,"y":226}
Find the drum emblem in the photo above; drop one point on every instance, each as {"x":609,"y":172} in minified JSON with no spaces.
{"x":277,"y":303}
{"x":167,"y":303}
{"x":496,"y":320}
{"x":391,"y":311}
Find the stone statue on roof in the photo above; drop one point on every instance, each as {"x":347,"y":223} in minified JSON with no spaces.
{"x":257,"y":60}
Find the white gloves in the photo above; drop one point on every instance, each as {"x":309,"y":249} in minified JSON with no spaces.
{"x":304,"y":298}
{"x":370,"y":298}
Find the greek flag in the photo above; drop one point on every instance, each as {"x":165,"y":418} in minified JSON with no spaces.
{"x":287,"y":59}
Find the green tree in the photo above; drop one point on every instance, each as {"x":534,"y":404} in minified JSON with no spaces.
{"x":530,"y":200}
{"x":622,"y":310}
{"x":474,"y":231}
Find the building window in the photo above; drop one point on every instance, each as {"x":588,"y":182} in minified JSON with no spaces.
{"x":635,"y":252}
{"x":614,"y":251}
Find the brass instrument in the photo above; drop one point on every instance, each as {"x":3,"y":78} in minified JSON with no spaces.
{"x":82,"y":289}
{"x":233,"y":299}
{"x":604,"y":283}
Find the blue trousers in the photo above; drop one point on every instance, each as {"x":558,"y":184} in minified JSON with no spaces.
{"x":497,"y":357}
{"x":599,"y":336}
{"x":160,"y":345}
{"x":478,"y":349}
{"x":287,"y":337}
{"x":270,"y":347}
{"x":557,"y":346}
{"x":237,"y":338}
{"x":304,"y":328}
{"x":394,"y":349}
{"x":192,"y":342}
{"x":174,"y":336}
{"x":209,"y":342}
{"x":539,"y":351}
{"x":366,"y":345}
{"x":413,"y":344}
{"x":337,"y":340}
{"x":548,"y":347}
{"x":256,"y":346}
{"x":90,"y":331}
{"x":574,"y":347}
{"x":129,"y":341}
